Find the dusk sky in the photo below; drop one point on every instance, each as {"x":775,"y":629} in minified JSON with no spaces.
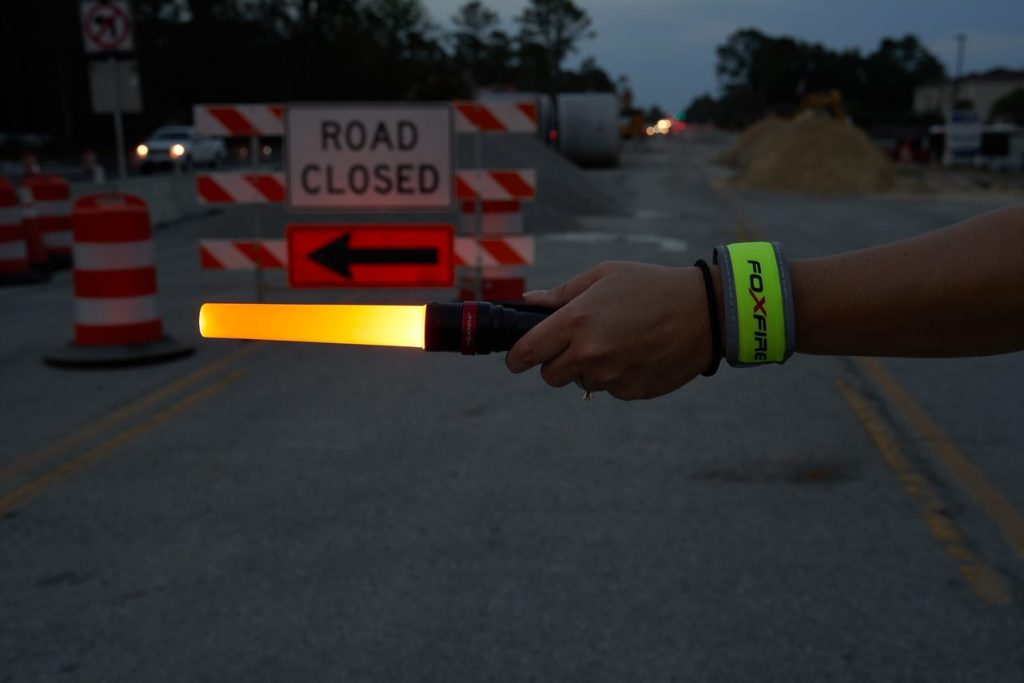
{"x":667,"y":47}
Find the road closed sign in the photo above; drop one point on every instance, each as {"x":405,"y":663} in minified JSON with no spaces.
{"x":369,"y":157}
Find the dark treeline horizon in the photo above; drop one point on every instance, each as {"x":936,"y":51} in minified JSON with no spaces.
{"x":193,"y":51}
{"x":760,"y":74}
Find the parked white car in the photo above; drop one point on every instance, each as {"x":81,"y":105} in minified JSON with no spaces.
{"x":170,"y":145}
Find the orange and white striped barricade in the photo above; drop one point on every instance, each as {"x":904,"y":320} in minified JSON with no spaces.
{"x":239,"y":120}
{"x":482,"y":187}
{"x":491,"y":209}
{"x":499,"y":260}
{"x":518,"y":116}
{"x":15,"y":267}
{"x":253,"y":121}
{"x":494,"y":217}
{"x":498,"y":185}
{"x":115,"y":277}
{"x":240,"y":188}
{"x":51,"y":197}
{"x":243,"y":254}
{"x":495,"y":251}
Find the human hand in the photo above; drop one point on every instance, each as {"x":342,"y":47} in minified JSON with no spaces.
{"x":634,"y":330}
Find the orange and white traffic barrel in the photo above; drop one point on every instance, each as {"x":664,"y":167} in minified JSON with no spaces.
{"x":115,"y":278}
{"x":14,"y":258}
{"x":37,"y":257}
{"x":51,"y":197}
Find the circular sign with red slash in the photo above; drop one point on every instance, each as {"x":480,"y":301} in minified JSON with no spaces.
{"x":107,"y":26}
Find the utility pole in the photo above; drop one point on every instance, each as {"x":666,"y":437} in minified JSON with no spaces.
{"x":961,"y":40}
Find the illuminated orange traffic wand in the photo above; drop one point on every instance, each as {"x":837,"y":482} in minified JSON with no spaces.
{"x":471,"y":327}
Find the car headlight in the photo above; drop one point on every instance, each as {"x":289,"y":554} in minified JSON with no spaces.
{"x":142,"y":151}
{"x":177,"y":150}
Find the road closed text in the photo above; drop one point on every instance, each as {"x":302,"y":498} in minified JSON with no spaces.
{"x":357,"y":157}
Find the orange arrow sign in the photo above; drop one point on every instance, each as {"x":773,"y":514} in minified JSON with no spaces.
{"x":379,"y":255}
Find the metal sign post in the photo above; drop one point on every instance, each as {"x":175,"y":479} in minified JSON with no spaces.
{"x":122,"y":170}
{"x":114,"y":86}
{"x":478,"y":287}
{"x":108,"y":28}
{"x":254,"y":152}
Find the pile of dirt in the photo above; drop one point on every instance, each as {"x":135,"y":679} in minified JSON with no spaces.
{"x":812,"y":154}
{"x":741,"y":152}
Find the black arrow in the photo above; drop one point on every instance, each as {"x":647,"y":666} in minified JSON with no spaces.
{"x":338,"y":256}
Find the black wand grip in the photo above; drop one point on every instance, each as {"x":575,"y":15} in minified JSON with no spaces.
{"x":478,"y":327}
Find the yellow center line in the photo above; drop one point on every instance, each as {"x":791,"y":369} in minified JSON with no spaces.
{"x":131,"y":409}
{"x":35,"y":487}
{"x":986,"y":583}
{"x":996,"y":505}
{"x":59,"y":447}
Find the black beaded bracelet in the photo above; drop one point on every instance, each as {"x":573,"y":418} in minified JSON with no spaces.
{"x":716,"y":331}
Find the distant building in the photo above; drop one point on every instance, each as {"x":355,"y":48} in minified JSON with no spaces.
{"x":983,"y":90}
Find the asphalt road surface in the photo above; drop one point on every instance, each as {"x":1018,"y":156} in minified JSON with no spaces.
{"x":262,"y":512}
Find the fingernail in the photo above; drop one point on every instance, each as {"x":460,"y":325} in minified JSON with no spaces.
{"x":535,"y":292}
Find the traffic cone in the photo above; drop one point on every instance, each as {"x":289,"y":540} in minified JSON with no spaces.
{"x":116,"y":318}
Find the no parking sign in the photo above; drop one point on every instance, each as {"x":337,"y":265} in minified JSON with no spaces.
{"x":107,"y":26}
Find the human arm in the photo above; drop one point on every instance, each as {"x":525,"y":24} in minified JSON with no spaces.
{"x":640,"y":331}
{"x":952,"y":292}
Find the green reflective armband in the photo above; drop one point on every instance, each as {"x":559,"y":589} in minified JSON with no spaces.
{"x":760,"y":326}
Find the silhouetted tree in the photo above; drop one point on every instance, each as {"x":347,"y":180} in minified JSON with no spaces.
{"x":192,"y":51}
{"x":1010,"y":107}
{"x":892,"y":72}
{"x":590,"y":77}
{"x":703,"y":109}
{"x":555,"y":27}
{"x":760,"y":73}
{"x":474,"y":26}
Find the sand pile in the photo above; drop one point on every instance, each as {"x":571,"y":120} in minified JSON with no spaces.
{"x":811,"y":154}
{"x":742,"y":150}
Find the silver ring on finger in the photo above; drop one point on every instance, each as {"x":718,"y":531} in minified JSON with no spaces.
{"x":587,"y":394}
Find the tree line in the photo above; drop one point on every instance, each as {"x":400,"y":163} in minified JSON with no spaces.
{"x":192,"y":51}
{"x":761,"y":74}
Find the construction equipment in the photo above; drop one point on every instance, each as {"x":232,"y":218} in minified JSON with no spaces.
{"x":829,"y":102}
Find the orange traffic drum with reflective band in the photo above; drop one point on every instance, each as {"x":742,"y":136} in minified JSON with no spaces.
{"x":15,"y":266}
{"x":51,"y":199}
{"x":115,"y":283}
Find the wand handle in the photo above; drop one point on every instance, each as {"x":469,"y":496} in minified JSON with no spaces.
{"x":478,"y":327}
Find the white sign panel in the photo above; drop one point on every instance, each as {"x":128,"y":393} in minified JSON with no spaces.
{"x":114,"y":86}
{"x":107,"y":26}
{"x":369,"y":157}
{"x":963,"y":137}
